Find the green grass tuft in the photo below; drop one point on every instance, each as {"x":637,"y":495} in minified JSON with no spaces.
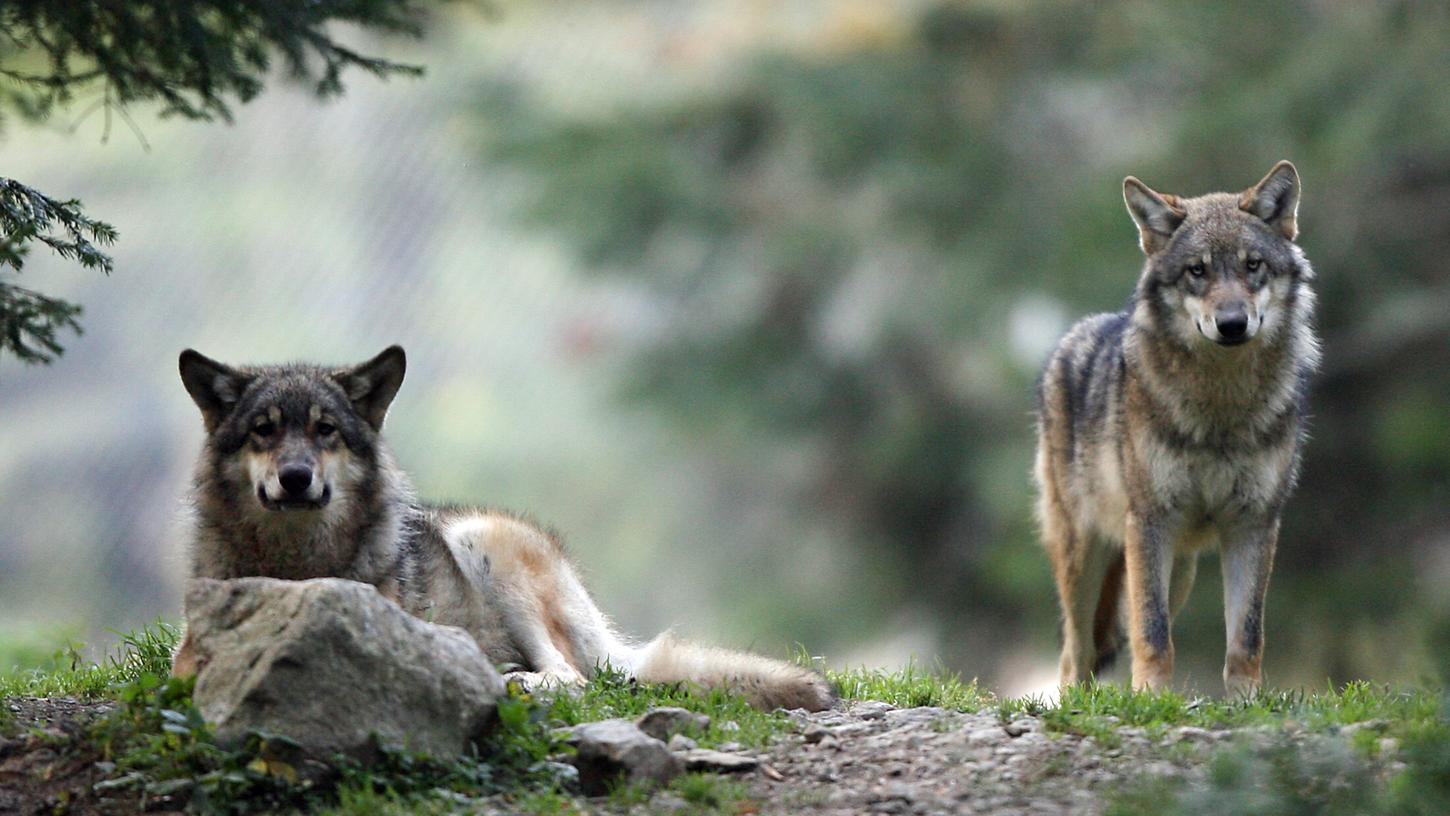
{"x":710,"y":793}
{"x":1087,"y":709}
{"x":611,"y":694}
{"x":910,"y":687}
{"x":69,"y":674}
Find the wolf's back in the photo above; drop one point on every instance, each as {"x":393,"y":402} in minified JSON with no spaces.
{"x":1082,"y":381}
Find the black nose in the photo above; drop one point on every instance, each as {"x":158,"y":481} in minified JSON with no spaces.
{"x":1232,"y":325}
{"x":295,"y":479}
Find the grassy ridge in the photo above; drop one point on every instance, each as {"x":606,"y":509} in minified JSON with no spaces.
{"x":1299,"y":763}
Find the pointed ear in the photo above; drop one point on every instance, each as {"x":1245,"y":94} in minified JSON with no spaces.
{"x":372,"y":385}
{"x":1157,"y":216}
{"x":1276,"y":199}
{"x":214,"y":388}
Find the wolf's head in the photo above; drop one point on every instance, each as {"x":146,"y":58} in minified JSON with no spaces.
{"x":1222,"y":267}
{"x":292,"y":438}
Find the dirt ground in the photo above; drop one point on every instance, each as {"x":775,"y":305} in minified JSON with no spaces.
{"x":872,"y":758}
{"x":46,"y":768}
{"x":865,"y":757}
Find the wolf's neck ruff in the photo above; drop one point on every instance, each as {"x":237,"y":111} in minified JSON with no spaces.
{"x":1213,"y":395}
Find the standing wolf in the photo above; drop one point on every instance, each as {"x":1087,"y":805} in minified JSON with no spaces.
{"x":295,"y":482}
{"x":1175,"y":425}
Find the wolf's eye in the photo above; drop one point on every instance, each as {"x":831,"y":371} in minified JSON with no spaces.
{"x":1253,"y":264}
{"x":1196,"y":270}
{"x":326,"y":429}
{"x":264,"y":429}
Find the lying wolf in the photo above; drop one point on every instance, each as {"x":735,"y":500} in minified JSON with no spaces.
{"x":1176,"y":425}
{"x":296,"y":482}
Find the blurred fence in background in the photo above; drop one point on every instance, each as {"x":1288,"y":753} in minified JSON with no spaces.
{"x":748,"y":299}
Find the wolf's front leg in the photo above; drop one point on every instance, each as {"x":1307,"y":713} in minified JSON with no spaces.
{"x":1248,"y":555}
{"x":1148,"y":550}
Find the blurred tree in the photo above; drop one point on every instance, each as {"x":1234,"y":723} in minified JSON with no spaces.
{"x":196,"y":57}
{"x":866,"y":253}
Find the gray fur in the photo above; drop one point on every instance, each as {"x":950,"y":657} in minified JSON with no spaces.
{"x":296,"y":482}
{"x":1177,"y":423}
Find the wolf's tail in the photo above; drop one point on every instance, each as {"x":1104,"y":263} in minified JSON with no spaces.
{"x":768,"y":684}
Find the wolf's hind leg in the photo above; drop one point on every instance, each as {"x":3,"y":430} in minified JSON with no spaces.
{"x":1108,"y":632}
{"x":1185,"y":569}
{"x":1081,"y":567}
{"x":527,"y":579}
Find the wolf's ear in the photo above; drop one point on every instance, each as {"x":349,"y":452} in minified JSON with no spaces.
{"x":214,"y":388}
{"x":1157,"y":216}
{"x":1276,"y":199}
{"x":372,"y":385}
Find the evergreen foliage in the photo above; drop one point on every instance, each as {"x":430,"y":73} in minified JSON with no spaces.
{"x":29,"y":320}
{"x":195,"y":58}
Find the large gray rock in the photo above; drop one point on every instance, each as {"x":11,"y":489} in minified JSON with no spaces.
{"x":335,"y":666}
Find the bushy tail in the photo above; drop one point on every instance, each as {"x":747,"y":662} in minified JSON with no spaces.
{"x":768,"y":684}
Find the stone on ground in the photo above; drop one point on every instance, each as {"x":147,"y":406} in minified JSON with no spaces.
{"x":336,"y":667}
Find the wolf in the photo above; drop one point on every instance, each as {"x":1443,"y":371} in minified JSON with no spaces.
{"x":295,"y":481}
{"x":1176,"y":425}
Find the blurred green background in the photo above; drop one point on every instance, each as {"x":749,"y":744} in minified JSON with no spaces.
{"x":747,"y":298}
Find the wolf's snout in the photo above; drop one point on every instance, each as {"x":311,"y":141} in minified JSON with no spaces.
{"x":295,"y":479}
{"x":1232,"y":325}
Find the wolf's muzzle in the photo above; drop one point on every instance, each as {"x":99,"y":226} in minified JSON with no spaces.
{"x":297,"y":482}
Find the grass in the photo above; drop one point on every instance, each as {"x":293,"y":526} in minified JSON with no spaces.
{"x":159,"y":744}
{"x":1098,"y":710}
{"x":911,"y":687}
{"x":1306,"y":776}
{"x":67,"y":673}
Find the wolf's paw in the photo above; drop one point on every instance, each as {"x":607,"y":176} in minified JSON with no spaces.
{"x":794,"y":688}
{"x":819,"y":694}
{"x":557,"y":679}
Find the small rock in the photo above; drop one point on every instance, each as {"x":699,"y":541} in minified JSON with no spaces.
{"x":814,"y":734}
{"x":610,"y":749}
{"x":1366,"y":725}
{"x":984,"y":736}
{"x":871,"y":709}
{"x":704,"y":759}
{"x":680,"y":742}
{"x":1017,"y":728}
{"x":731,"y":746}
{"x":666,"y":721}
